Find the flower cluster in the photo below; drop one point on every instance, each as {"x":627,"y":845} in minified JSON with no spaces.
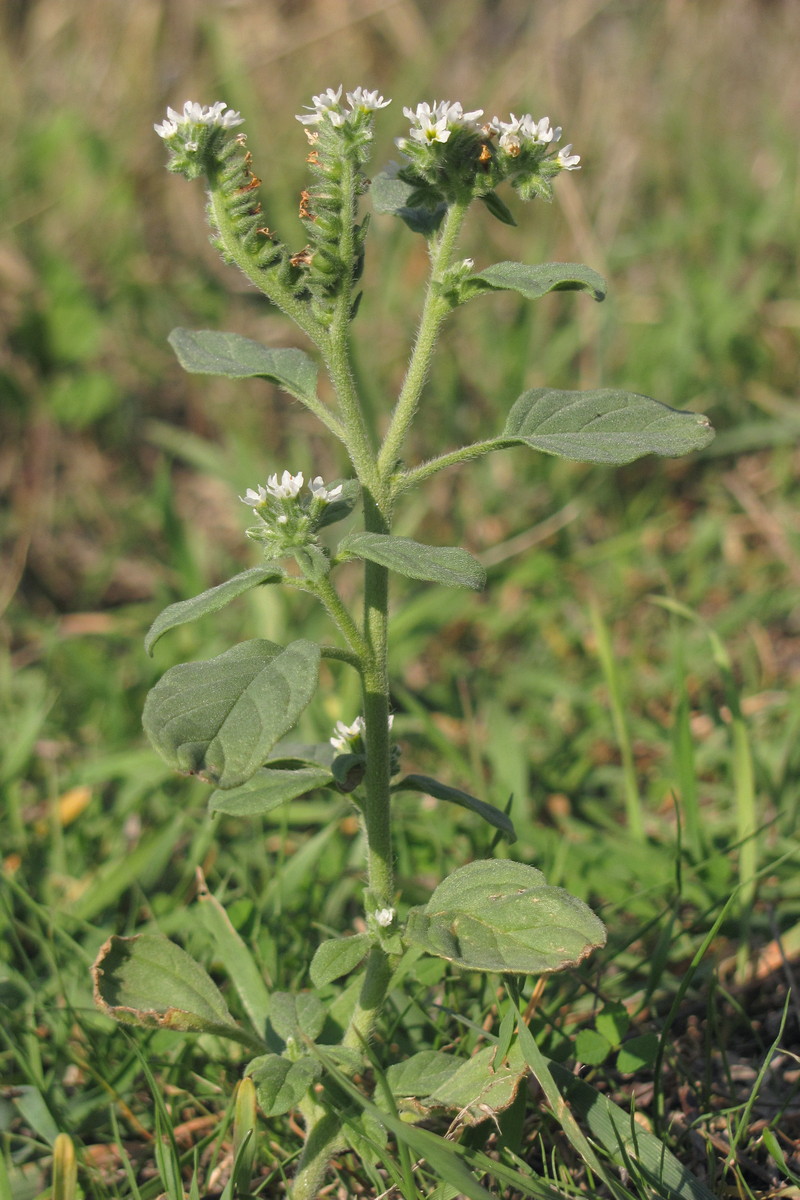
{"x":195,"y":136}
{"x":288,"y":521}
{"x":436,"y":122}
{"x":195,"y":114}
{"x":327,"y":107}
{"x":453,"y":157}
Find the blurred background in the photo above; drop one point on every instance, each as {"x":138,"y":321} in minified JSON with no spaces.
{"x":632,"y":738}
{"x":120,"y":474}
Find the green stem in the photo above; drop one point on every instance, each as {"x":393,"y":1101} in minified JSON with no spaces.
{"x":326,"y":592}
{"x":415,"y":475}
{"x":268,"y":281}
{"x":375,"y":686}
{"x":435,"y":309}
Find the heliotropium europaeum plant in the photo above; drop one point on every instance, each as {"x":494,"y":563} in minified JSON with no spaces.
{"x":226,"y":719}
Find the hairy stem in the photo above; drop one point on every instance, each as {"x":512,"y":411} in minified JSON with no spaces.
{"x":435,"y":309}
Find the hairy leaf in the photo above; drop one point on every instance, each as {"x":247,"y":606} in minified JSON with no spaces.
{"x":280,"y":1083}
{"x":535,"y":281}
{"x":338,"y":957}
{"x":432,"y":787}
{"x":449,"y":565}
{"x":148,"y":980}
{"x":267,"y":789}
{"x":211,"y":352}
{"x":503,"y":916}
{"x":220,"y":718}
{"x":602,"y":426}
{"x":211,"y":601}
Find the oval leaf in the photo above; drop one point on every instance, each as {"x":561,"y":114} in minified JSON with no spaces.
{"x":441,"y":791}
{"x":296,"y":1015}
{"x":502,"y":916}
{"x":268,"y":789}
{"x":535,"y":281}
{"x":211,"y":601}
{"x":436,"y":564}
{"x":148,"y":980}
{"x":602,"y":426}
{"x":338,"y":957}
{"x":220,"y":718}
{"x":474,"y":1087}
{"x":211,"y":352}
{"x":281,"y":1084}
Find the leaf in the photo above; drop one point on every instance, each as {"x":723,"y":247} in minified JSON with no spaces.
{"x":211,"y":601}
{"x":498,"y":208}
{"x":296,"y":1015}
{"x":392,"y":195}
{"x":267,"y":789}
{"x":637,"y":1053}
{"x":436,"y":564}
{"x":148,"y":980}
{"x":281,"y":1084}
{"x":441,"y":791}
{"x":220,"y":718}
{"x":235,"y":956}
{"x":535,"y":281}
{"x":626,"y":1141}
{"x":337,"y":510}
{"x":474,"y":1087}
{"x":338,"y":957}
{"x":502,"y":916}
{"x":211,"y":352}
{"x":602,"y":426}
{"x":591,"y":1047}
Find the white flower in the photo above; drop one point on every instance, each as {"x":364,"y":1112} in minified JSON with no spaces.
{"x":523,"y":129}
{"x":325,"y":104}
{"x":254,"y":497}
{"x":435,"y":122}
{"x":345,"y":735}
{"x":426,"y":125}
{"x":384,"y":917}
{"x":195,"y":114}
{"x":320,"y":492}
{"x":363,"y":101}
{"x":289,"y":485}
{"x":569,"y":162}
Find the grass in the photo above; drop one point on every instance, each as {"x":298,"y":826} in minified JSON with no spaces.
{"x":629,"y":675}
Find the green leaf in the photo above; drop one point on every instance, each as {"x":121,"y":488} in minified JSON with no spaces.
{"x":626,"y":1141}
{"x":337,"y":510}
{"x":498,"y":208}
{"x":602,"y":426}
{"x":473,"y":1087}
{"x":210,"y":352}
{"x":296,"y":1015}
{"x":338,"y":957}
{"x":638,"y":1052}
{"x":613,"y":1021}
{"x":535,"y":281}
{"x":502,"y":916}
{"x":281,"y":1084}
{"x":591,"y":1047}
{"x":441,"y":791}
{"x":449,"y":565}
{"x":220,"y":718}
{"x":392,"y":195}
{"x":235,"y":956}
{"x":211,"y":601}
{"x":268,"y":789}
{"x":148,"y":980}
